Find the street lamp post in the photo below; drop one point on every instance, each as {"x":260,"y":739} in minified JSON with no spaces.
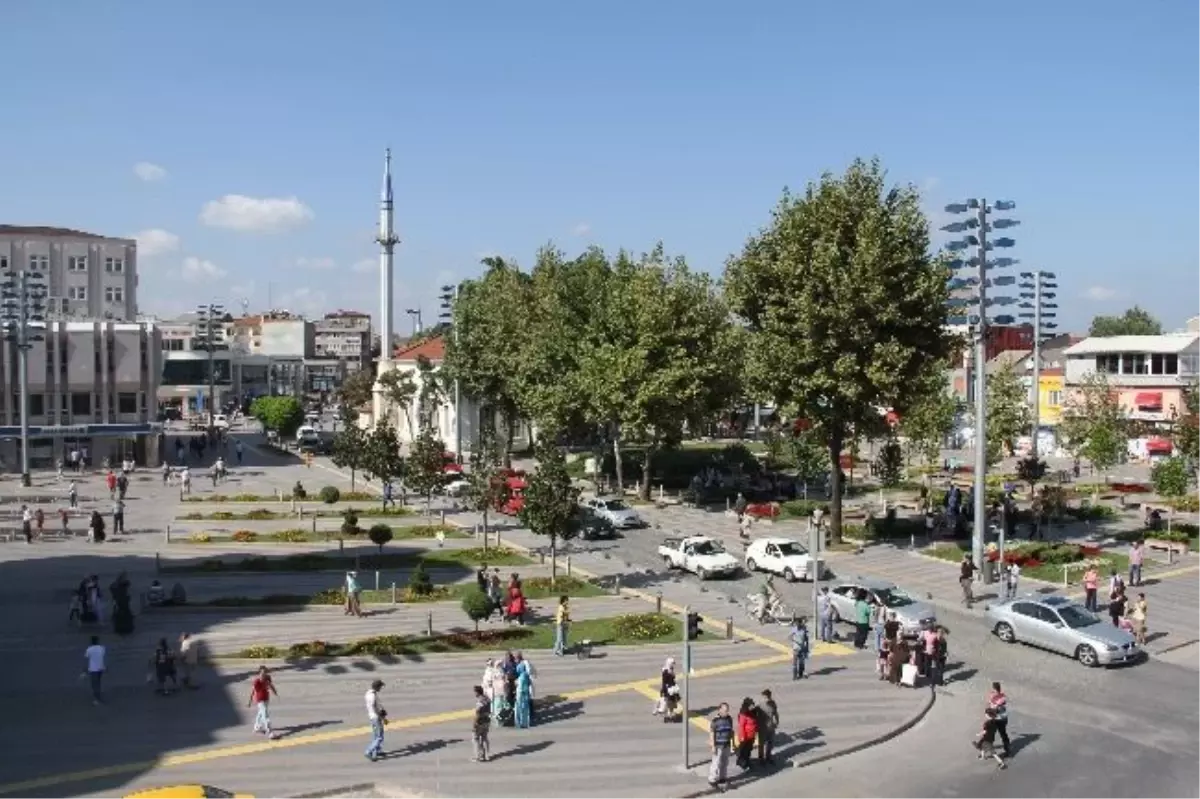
{"x":976,"y":227}
{"x":415,"y":315}
{"x":449,"y":297}
{"x":1034,"y":293}
{"x":209,"y":315}
{"x":22,"y":305}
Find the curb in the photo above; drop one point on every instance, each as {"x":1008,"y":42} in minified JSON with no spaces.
{"x":877,"y":740}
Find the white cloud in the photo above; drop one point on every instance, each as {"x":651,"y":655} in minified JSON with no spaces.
{"x":582,"y":229}
{"x":315,"y":263}
{"x":1100,"y":293}
{"x":256,"y":214}
{"x":149,"y":172}
{"x":305,"y":301}
{"x":196,"y":270}
{"x":156,"y":241}
{"x":365,"y":265}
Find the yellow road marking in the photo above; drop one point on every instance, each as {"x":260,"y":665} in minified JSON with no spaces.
{"x":696,"y":719}
{"x":239,"y":750}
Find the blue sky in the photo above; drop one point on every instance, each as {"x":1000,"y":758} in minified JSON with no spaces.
{"x":617,"y":123}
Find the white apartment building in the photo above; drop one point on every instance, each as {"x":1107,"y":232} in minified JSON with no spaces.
{"x":92,"y":385}
{"x":1148,"y":373}
{"x":87,"y":276}
{"x":344,"y":335}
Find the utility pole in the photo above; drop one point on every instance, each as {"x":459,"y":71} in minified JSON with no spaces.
{"x":209,"y":315}
{"x":415,"y":315}
{"x":22,"y":305}
{"x":449,"y":298}
{"x":1034,"y":287}
{"x":685,"y":716}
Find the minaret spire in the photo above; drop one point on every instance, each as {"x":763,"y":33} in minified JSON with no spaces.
{"x":387,"y":243}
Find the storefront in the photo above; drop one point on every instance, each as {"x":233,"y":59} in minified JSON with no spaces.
{"x":114,"y":442}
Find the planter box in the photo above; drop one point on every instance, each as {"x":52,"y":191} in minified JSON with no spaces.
{"x":1180,"y":547}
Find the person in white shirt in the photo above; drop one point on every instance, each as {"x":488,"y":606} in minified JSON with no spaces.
{"x":378,"y":718}
{"x":94,"y":655}
{"x":27,"y":523}
{"x":1012,"y":576}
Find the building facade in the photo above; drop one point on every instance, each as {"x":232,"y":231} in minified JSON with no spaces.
{"x":92,"y":386}
{"x":345,"y":336}
{"x":1147,"y":373}
{"x":87,"y":276}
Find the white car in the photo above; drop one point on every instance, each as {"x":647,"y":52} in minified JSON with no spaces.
{"x":699,"y":554}
{"x":784,"y":557}
{"x":220,"y":421}
{"x":615,"y":511}
{"x":457,"y":488}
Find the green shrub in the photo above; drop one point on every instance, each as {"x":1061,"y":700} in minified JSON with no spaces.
{"x":200,"y":538}
{"x":1188,"y":504}
{"x":476,"y":605}
{"x":642,"y":626}
{"x":290,"y":536}
{"x":540,"y":588}
{"x":419,"y":583}
{"x":330,"y":495}
{"x":260,"y":652}
{"x":309,"y":649}
{"x":350,"y":522}
{"x":802,"y":508}
{"x":261,"y":514}
{"x":380,"y":534}
{"x":1094,"y":513}
{"x":378,"y":645}
{"x":221,"y":515}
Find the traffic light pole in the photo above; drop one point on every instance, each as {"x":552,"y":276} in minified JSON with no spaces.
{"x":685,"y":715}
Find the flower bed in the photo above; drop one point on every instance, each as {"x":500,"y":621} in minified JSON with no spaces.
{"x":763,"y":510}
{"x":1130,"y":488}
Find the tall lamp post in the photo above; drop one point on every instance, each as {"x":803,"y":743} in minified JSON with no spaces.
{"x":209,"y":315}
{"x":449,"y":297}
{"x":415,"y":315}
{"x":22,"y":306}
{"x":975,"y":227}
{"x":1035,"y":291}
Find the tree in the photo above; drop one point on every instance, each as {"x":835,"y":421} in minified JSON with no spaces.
{"x":349,"y":444}
{"x":1134,"y":322}
{"x":1093,"y":424}
{"x":419,"y":583}
{"x":930,"y":419}
{"x":485,"y":480}
{"x":808,"y":453}
{"x":357,"y":390}
{"x":1008,"y":415}
{"x":477,"y":605}
{"x":380,"y":534}
{"x":1186,"y":434}
{"x":399,"y":389}
{"x":1031,"y":469}
{"x":381,"y":457}
{"x":889,"y":463}
{"x":426,"y":471}
{"x":844,"y":305}
{"x":1170,"y":477}
{"x":549,"y":506}
{"x":281,"y":415}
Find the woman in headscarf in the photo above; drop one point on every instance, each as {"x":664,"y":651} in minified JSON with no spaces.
{"x":499,"y":685}
{"x":489,"y":676}
{"x":668,"y":693}
{"x":524,"y":685}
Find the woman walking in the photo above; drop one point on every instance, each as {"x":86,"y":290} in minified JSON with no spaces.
{"x":1116,"y":606}
{"x":668,"y":692}
{"x":163,"y":665}
{"x":524,"y":686}
{"x":747,"y":731}
{"x":1138,"y":614}
{"x":498,"y":689}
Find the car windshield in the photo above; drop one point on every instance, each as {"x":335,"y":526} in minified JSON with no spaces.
{"x":791,"y":548}
{"x":1075,"y":617}
{"x":616,"y":504}
{"x":894,"y":598}
{"x":707,"y":548}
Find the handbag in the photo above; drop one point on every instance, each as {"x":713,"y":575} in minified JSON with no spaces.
{"x":908,"y":675}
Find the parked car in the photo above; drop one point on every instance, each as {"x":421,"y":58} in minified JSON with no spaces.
{"x":457,"y":487}
{"x":616,"y":511}
{"x":593,"y":526}
{"x":785,"y":557}
{"x":699,"y":554}
{"x":1062,"y":625}
{"x":913,"y":616}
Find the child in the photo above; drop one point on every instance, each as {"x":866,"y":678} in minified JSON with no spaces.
{"x":985,"y":742}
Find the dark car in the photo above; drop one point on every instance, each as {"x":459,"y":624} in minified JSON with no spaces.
{"x":592,"y":526}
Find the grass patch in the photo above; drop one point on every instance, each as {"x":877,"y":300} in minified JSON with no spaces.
{"x":628,"y":630}
{"x":308,"y":562}
{"x":415,"y":532}
{"x":1044,"y":561}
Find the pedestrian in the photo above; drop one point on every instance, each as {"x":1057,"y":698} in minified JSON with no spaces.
{"x":110,"y":480}
{"x":237,"y":450}
{"x":891,"y":625}
{"x":353,"y":595}
{"x":523,"y":695}
{"x":39,"y":522}
{"x":495,"y":593}
{"x":667,"y":691}
{"x":95,"y":656}
{"x":377,"y":717}
{"x":897,"y":659}
{"x":768,"y":725}
{"x":985,"y":742}
{"x":388,"y":495}
{"x":966,"y":577}
{"x":941,"y":650}
{"x":825,"y":630}
{"x":1136,"y":553}
{"x":882,"y":655}
{"x":498,"y":689}
{"x":185,"y":480}
{"x":96,"y":527}
{"x":162,"y":665}
{"x":720,"y":741}
{"x":515,"y":610}
{"x":1116,"y":606}
{"x":73,"y":495}
{"x":998,"y":702}
{"x":747,"y":731}
{"x":260,"y":696}
{"x":1137,"y":613}
{"x":64,"y":517}
{"x":862,"y":620}
{"x":481,"y":578}
{"x":118,"y":514}
{"x":1012,"y":576}
{"x":800,"y":646}
{"x":58,"y":470}
{"x":27,"y":523}
{"x":1091,"y":581}
{"x":122,"y":485}
{"x":926,"y":651}
{"x":166,"y":473}
{"x":1116,"y":584}
{"x":562,"y":623}
{"x":480,"y":724}
{"x":188,"y":657}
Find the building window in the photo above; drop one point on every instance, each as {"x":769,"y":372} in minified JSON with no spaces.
{"x":76,"y":293}
{"x":37,"y":404}
{"x":81,"y":404}
{"x":77,"y":263}
{"x":1164,"y":364}
{"x":1108,"y":364}
{"x":39,"y":263}
{"x":114,"y":266}
{"x":127,"y":403}
{"x":1054,"y":397}
{"x":3,"y":262}
{"x":114,"y":294}
{"x":1133,"y":363}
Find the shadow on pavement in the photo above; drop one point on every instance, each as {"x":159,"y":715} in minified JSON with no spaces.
{"x":421,"y":747}
{"x":522,"y":749}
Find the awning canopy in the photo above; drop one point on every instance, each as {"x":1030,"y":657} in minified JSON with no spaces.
{"x":1158,"y":445}
{"x":1148,"y":399}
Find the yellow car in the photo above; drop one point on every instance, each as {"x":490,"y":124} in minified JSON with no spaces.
{"x":187,"y":792}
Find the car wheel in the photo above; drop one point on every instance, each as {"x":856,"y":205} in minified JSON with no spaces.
{"x":670,"y":564}
{"x":1087,"y":655}
{"x":702,"y":574}
{"x":789,"y":575}
{"x":751,"y":565}
{"x":1005,"y":633}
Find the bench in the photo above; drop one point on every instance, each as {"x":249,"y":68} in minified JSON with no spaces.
{"x":1175,"y":547}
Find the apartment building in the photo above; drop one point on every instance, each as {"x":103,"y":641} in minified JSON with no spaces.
{"x":345,"y":336}
{"x":87,"y":276}
{"x":92,"y":385}
{"x":1147,"y":373}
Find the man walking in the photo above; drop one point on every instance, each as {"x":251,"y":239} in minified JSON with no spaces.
{"x":260,"y":696}
{"x":825,"y":617}
{"x":720,"y":741}
{"x":1091,"y":581}
{"x":998,"y":702}
{"x":966,"y":577}
{"x":800,"y":647}
{"x":1012,"y":576}
{"x":73,"y":495}
{"x":480,"y":724}
{"x":27,"y":523}
{"x":377,"y":716}
{"x":862,"y":620}
{"x":562,"y":620}
{"x":388,"y":495}
{"x":118,"y":513}
{"x":95,"y":656}
{"x":1135,"y":563}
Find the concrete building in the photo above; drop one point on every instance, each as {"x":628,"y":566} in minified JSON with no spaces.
{"x":87,"y":276}
{"x":1148,"y":373}
{"x":92,"y":385}
{"x":343,"y":335}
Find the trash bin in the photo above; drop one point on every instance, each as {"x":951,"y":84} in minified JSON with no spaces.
{"x":989,"y":571}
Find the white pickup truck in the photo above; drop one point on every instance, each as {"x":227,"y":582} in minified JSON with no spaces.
{"x":703,"y":556}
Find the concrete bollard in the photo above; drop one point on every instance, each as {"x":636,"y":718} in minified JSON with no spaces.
{"x":443,"y":517}
{"x":617,"y":585}
{"x":497,"y":538}
{"x":727,"y":505}
{"x":167,"y":533}
{"x":568,"y":565}
{"x":314,"y":526}
{"x":157,"y":563}
{"x":377,"y":579}
{"x":279,"y":495}
{"x":658,"y":602}
{"x":393,"y":593}
{"x":341,"y":546}
{"x":729,"y":628}
{"x":542,"y":558}
{"x":429,"y":624}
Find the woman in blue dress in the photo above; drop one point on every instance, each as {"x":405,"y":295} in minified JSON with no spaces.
{"x":524,"y":692}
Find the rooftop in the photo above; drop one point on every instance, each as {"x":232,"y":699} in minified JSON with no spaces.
{"x":432,"y":348}
{"x":46,"y":230}
{"x":1164,"y":344}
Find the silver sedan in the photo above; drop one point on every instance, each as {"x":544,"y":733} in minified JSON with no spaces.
{"x":1061,"y":625}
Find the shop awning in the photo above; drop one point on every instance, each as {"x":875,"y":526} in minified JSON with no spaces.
{"x":1148,"y":399}
{"x":1158,"y":445}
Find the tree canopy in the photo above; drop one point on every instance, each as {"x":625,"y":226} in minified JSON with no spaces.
{"x":1136,"y":321}
{"x":382,"y":459}
{"x":1008,"y":413}
{"x":349,"y":443}
{"x":282,"y":415}
{"x":357,"y":389}
{"x":549,"y":506}
{"x":1093,"y":424}
{"x":843,"y":303}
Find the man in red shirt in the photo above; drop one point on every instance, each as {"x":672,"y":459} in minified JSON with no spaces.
{"x":260,"y":695}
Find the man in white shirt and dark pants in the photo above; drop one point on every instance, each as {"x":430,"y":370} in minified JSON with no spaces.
{"x":94,"y":655}
{"x":378,"y":718}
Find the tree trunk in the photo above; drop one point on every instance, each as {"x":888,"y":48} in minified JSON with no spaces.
{"x":553,"y":559}
{"x":353,"y":471}
{"x":835,"y":486}
{"x":647,"y":470}
{"x":618,"y":466}
{"x":485,"y":529}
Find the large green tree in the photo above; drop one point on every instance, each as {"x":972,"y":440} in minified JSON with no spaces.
{"x":1093,"y":424}
{"x":1186,"y":434}
{"x":382,"y":459}
{"x":844,"y":304}
{"x":930,"y":419}
{"x":1008,"y":414}
{"x":550,"y":501}
{"x":357,"y":390}
{"x":282,"y":415}
{"x":349,"y":443}
{"x":426,"y":468}
{"x":485,"y":480}
{"x":1134,"y":322}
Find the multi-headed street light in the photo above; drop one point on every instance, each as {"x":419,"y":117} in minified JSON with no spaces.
{"x":23,"y":315}
{"x":975,"y":228}
{"x":209,"y":316}
{"x":448,"y":297}
{"x":415,"y":315}
{"x":1034,"y":295}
